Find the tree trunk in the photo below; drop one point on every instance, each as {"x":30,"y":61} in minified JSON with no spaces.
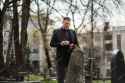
{"x":45,"y":46}
{"x":10,"y":44}
{"x":24,"y":24}
{"x":15,"y":26}
{"x":2,"y":13}
{"x":1,"y":41}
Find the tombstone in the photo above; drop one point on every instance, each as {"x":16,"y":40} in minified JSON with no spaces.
{"x":117,"y":67}
{"x":75,"y":68}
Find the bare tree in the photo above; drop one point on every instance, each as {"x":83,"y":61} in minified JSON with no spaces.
{"x":2,"y":14}
{"x":43,"y":22}
{"x":15,"y":26}
{"x":24,"y":24}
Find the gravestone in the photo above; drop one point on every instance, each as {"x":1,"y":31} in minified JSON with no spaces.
{"x":75,"y":72}
{"x":117,"y":67}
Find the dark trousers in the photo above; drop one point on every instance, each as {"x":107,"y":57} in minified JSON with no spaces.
{"x":61,"y":72}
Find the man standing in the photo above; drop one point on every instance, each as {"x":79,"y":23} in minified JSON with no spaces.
{"x":64,"y":40}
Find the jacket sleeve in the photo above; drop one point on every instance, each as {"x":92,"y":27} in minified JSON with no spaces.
{"x":54,"y":42}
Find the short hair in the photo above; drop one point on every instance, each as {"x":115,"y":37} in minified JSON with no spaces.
{"x":67,"y":18}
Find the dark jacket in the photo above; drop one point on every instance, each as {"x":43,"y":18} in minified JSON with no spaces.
{"x":63,"y":52}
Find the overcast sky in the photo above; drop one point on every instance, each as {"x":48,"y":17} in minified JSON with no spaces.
{"x":116,"y":19}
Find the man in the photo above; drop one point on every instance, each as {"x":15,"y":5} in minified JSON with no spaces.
{"x":64,"y":40}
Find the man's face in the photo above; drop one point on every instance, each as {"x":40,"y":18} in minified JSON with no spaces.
{"x":66,"y":23}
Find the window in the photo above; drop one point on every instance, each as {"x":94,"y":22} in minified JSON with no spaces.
{"x":35,"y":50}
{"x":108,"y":37}
{"x":119,"y":41}
{"x":36,"y":65}
{"x":109,"y":57}
{"x":108,"y":42}
{"x":108,"y":72}
{"x":108,"y":47}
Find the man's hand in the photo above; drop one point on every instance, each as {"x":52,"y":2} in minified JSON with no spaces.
{"x":71,"y":45}
{"x":64,"y":43}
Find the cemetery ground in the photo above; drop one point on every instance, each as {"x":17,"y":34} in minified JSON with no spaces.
{"x":33,"y":77}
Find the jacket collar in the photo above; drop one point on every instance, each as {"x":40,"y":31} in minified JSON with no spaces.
{"x":62,"y":28}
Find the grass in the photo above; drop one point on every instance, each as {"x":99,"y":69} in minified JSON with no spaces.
{"x":50,"y":81}
{"x":95,"y":81}
{"x":33,"y":77}
{"x":101,"y":81}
